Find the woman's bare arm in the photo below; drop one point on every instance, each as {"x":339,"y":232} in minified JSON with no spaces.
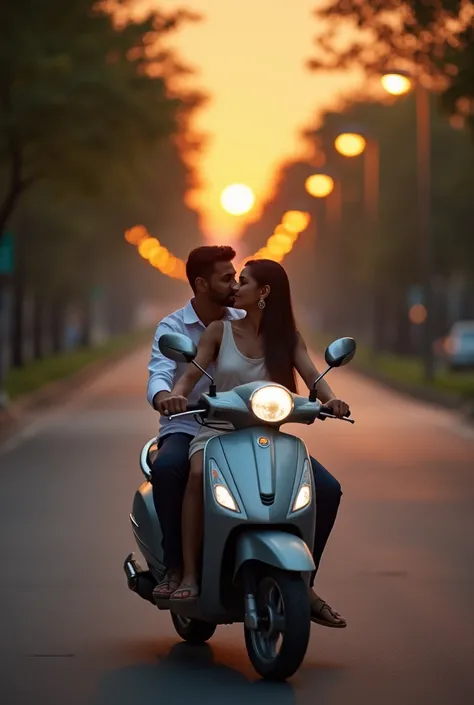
{"x":306,"y":368}
{"x":304,"y":365}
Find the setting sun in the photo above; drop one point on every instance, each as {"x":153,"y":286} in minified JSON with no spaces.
{"x":237,"y":199}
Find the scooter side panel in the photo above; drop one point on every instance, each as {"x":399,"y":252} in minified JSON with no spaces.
{"x":146,"y":526}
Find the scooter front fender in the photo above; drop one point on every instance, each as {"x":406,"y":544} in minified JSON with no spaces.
{"x":276,"y":548}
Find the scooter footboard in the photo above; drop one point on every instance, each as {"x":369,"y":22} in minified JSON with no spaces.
{"x":276,"y":548}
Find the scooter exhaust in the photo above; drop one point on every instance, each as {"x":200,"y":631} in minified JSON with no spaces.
{"x":138,"y":580}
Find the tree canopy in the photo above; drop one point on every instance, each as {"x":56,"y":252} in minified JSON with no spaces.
{"x":432,"y":38}
{"x":95,"y":138}
{"x":81,"y":96}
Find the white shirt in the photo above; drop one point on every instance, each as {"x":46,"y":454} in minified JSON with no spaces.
{"x":164,"y":373}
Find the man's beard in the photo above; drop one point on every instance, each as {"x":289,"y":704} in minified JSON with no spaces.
{"x":221,"y":300}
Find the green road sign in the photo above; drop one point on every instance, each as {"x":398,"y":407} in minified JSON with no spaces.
{"x":415,"y":295}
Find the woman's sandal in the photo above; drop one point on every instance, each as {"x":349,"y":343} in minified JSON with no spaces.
{"x":323,"y":614}
{"x":168,"y":585}
{"x":180,"y":595}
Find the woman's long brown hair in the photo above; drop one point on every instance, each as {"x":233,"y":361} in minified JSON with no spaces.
{"x":278,"y":321}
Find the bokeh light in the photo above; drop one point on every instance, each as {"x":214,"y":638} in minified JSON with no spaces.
{"x":350,"y":144}
{"x":295,"y":221}
{"x":417,"y":314}
{"x":319,"y":185}
{"x":281,"y":230}
{"x":159,"y":258}
{"x":136,"y":234}
{"x":170,"y":265}
{"x":148,"y":246}
{"x":396,"y":83}
{"x":278,"y":245}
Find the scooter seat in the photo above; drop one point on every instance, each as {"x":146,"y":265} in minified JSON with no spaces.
{"x":148,"y":456}
{"x":151,"y":455}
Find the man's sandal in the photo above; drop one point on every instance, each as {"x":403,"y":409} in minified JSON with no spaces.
{"x":323,"y":614}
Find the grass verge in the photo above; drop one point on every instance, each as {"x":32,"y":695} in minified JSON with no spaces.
{"x":35,"y":375}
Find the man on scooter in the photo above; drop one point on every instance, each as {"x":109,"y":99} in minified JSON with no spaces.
{"x":211,"y":275}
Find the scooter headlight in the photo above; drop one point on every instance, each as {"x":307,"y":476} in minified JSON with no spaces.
{"x":304,"y":494}
{"x":272,"y":403}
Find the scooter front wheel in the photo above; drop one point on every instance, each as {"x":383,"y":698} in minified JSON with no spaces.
{"x":194,"y":631}
{"x":277,"y":648}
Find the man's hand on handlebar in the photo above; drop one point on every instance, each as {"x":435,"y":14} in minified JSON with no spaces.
{"x":337,"y":407}
{"x":171,"y":404}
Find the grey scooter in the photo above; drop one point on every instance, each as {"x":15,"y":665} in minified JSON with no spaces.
{"x":259,"y":519}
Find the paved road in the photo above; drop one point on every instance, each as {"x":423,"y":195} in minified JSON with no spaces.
{"x":399,"y":565}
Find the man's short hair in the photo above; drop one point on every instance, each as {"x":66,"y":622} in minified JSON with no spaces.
{"x":201,"y":261}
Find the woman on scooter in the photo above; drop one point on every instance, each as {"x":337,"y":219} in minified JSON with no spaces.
{"x":265,"y":345}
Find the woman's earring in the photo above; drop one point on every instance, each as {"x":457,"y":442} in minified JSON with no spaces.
{"x":261,"y":304}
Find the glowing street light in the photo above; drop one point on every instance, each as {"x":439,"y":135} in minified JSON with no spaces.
{"x":396,"y":83}
{"x":350,"y":144}
{"x":319,"y":185}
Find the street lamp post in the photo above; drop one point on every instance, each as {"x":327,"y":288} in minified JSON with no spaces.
{"x":322,"y":186}
{"x":399,"y":83}
{"x":353,"y":144}
{"x":423,"y":141}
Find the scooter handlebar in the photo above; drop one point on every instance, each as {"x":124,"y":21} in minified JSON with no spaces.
{"x":190,"y":409}
{"x":326,"y":413}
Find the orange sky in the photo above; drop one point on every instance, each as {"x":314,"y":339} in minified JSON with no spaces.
{"x":250,"y":56}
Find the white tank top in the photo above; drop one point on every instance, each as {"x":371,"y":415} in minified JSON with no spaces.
{"x":232,"y":367}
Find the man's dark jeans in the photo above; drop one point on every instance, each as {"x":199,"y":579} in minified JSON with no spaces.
{"x":169,"y":478}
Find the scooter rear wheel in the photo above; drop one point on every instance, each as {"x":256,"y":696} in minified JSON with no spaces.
{"x":194,"y":631}
{"x":277,"y":648}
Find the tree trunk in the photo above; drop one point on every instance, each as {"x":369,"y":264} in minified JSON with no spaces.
{"x":380,"y":310}
{"x":86,"y":333}
{"x":57,"y":324}
{"x":17,"y":184}
{"x":403,"y":343}
{"x":17,"y":339}
{"x":8,"y":206}
{"x":38,"y":323}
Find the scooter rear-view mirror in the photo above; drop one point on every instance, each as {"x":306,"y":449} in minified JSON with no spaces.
{"x":339,"y":353}
{"x":180,"y":348}
{"x":177,"y":347}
